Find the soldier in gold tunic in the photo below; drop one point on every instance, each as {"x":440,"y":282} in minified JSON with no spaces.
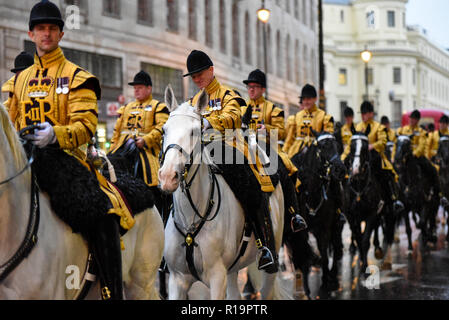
{"x":348,"y":127}
{"x":390,"y":150}
{"x":265,"y":117}
{"x":224,"y":113}
{"x":419,"y":142}
{"x":61,"y":98}
{"x":300,"y":134}
{"x":384,"y":170}
{"x":141,"y":122}
{"x":21,"y":62}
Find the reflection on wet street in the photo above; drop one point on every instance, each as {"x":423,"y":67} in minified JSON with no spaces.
{"x":422,"y":274}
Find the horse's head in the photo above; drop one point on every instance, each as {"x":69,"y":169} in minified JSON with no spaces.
{"x":443,"y":151}
{"x":403,"y":150}
{"x":359,"y":156}
{"x":181,"y":141}
{"x":328,"y":151}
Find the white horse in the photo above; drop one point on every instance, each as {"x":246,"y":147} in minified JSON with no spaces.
{"x":217,"y":243}
{"x":57,"y":263}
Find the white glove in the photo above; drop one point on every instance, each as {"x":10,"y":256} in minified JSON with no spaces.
{"x":206,"y":124}
{"x":44,"y":136}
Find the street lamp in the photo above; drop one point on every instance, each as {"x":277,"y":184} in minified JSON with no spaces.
{"x":263,"y":14}
{"x":366,"y":57}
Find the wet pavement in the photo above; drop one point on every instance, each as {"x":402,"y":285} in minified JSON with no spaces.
{"x":422,"y":274}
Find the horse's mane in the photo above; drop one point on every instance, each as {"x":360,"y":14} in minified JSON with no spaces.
{"x":16,"y":150}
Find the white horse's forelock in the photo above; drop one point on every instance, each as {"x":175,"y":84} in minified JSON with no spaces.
{"x":16,"y":148}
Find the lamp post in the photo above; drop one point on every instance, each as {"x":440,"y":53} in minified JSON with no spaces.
{"x":321,"y":55}
{"x":263,"y":14}
{"x":366,"y":56}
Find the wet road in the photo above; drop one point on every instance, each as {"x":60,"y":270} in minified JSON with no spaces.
{"x":419,"y":275}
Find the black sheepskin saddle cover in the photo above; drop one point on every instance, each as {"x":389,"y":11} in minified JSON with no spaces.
{"x":74,"y":191}
{"x":243,"y":183}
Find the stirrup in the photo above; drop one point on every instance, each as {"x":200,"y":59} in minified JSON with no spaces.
{"x":268,"y":264}
{"x":398,"y":206}
{"x":298,"y":223}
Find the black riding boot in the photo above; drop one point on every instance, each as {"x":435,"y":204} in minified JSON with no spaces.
{"x":263,"y":230}
{"x":291,"y":203}
{"x":104,"y":242}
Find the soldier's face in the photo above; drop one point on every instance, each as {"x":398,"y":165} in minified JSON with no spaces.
{"x":308,"y":103}
{"x":349,"y":120}
{"x":367,"y":116}
{"x":414,"y":122}
{"x":142,"y":92}
{"x":46,"y":36}
{"x":203,"y":78}
{"x":255,"y":90}
{"x":443,"y":126}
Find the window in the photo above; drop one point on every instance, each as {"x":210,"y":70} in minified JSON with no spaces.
{"x":192,"y":19}
{"x":288,"y":62}
{"x":172,"y":15}
{"x":162,"y":76}
{"x":342,"y":16}
{"x":260,"y":54}
{"x":235,"y":30}
{"x":145,"y":12}
{"x":297,"y":63}
{"x":404,"y":22}
{"x":414,"y":77}
{"x":111,"y":8}
{"x":222,"y":18}
{"x":391,"y":19}
{"x":209,"y":40}
{"x":397,"y":113}
{"x":397,"y":75}
{"x":297,"y":9}
{"x":371,"y":19}
{"x":279,"y":56}
{"x":342,"y":77}
{"x":247,"y":39}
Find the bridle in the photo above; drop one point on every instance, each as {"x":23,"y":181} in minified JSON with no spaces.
{"x":366,"y":168}
{"x":326,"y":177}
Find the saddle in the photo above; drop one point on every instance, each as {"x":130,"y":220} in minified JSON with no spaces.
{"x":75,"y":194}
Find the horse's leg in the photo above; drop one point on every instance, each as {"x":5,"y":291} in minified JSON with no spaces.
{"x":408,"y":230}
{"x":178,"y":286}
{"x":370,"y":225}
{"x":323,"y":244}
{"x":378,"y":253}
{"x":218,"y":278}
{"x":232,"y":290}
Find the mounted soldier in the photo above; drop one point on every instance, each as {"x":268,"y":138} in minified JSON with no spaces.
{"x":224,"y":113}
{"x":419,"y":141}
{"x":60,"y":99}
{"x":391,"y":138}
{"x":21,"y":62}
{"x":377,"y":137}
{"x":310,"y":118}
{"x":138,"y":133}
{"x":348,"y":127}
{"x":263,"y":117}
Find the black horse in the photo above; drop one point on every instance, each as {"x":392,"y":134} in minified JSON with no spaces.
{"x":364,"y":200}
{"x":418,"y":191}
{"x":320,"y":199}
{"x":442,"y":159}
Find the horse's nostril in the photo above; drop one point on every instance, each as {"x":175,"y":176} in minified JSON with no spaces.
{"x":176,"y":176}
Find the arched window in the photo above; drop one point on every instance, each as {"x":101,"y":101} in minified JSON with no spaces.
{"x":280,"y":56}
{"x":145,"y":12}
{"x":288,"y":62}
{"x":305,"y":66}
{"x":269,"y":50}
{"x":222,"y":17}
{"x":304,"y":12}
{"x":296,"y":9}
{"x":172,"y":15}
{"x":297,"y":63}
{"x":208,"y":23}
{"x":235,"y":30}
{"x":248,"y":38}
{"x":192,"y":20}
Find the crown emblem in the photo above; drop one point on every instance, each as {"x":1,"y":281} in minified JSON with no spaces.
{"x":39,"y":88}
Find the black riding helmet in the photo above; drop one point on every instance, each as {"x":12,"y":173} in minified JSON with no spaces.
{"x":45,"y":12}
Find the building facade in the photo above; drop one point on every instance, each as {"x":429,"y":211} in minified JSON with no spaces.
{"x":406,"y":71}
{"x":114,"y":39}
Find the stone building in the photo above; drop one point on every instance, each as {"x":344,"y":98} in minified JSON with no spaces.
{"x":114,"y":39}
{"x":407,"y":70}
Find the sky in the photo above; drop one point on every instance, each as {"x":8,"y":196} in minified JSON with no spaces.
{"x":432,"y":15}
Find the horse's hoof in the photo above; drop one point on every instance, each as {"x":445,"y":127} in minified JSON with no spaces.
{"x":397,"y":239}
{"x":387,"y":266}
{"x":379,"y":254}
{"x":409,"y":253}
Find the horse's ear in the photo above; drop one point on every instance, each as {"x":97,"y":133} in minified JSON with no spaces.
{"x":202,"y":103}
{"x":170,"y":99}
